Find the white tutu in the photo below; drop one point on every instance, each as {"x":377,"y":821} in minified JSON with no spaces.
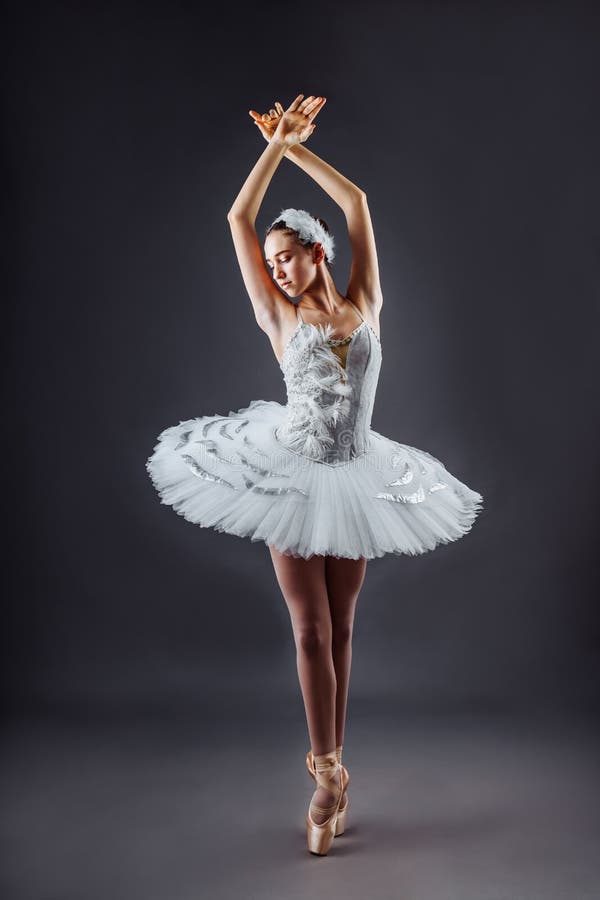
{"x":312,"y":477}
{"x":391,"y":499}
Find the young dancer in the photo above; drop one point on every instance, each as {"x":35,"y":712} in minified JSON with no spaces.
{"x":311,"y":478}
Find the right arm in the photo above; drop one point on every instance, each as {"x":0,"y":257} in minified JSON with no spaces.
{"x":265,"y":296}
{"x":270,"y":305}
{"x":247,"y":203}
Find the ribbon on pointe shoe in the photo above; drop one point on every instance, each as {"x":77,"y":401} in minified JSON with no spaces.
{"x":326,"y":767}
{"x":310,"y":765}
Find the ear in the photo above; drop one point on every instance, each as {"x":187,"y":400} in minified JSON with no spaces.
{"x":318,"y":252}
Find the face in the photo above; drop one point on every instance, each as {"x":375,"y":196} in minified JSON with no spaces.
{"x":290,"y":263}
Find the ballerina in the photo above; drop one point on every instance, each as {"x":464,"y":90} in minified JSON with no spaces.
{"x":311,"y":478}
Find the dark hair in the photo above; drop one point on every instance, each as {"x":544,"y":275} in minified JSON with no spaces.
{"x":280,"y":225}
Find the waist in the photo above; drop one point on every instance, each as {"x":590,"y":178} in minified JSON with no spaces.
{"x":334,"y":444}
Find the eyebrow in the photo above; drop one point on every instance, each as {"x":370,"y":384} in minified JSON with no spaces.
{"x":279,"y":252}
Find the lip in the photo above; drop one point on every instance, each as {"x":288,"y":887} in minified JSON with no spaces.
{"x":286,"y":284}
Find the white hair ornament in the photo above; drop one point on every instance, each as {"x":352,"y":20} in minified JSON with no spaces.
{"x":309,"y":229}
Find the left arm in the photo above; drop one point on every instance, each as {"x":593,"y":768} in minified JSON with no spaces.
{"x":343,"y":191}
{"x":364,"y":287}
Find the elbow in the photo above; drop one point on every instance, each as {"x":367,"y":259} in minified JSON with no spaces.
{"x":235,"y":215}
{"x":355,"y":201}
{"x":357,"y":198}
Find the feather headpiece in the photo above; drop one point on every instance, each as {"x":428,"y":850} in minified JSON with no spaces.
{"x":309,"y":229}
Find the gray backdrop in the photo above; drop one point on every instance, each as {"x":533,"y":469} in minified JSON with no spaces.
{"x":473,"y":130}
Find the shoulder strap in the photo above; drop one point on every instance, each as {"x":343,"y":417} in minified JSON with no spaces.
{"x":356,"y":308}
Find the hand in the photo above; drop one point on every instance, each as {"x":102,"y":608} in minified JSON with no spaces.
{"x":295,"y":124}
{"x":268,"y":122}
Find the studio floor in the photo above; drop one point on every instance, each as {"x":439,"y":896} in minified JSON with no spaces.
{"x":210,"y":803}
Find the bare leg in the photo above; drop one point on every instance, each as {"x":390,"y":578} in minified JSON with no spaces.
{"x":302,"y":583}
{"x":344,"y":579}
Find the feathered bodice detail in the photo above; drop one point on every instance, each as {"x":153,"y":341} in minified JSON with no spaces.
{"x":328,"y":408}
{"x":311,"y":476}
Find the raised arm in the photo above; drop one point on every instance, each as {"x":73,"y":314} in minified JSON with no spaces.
{"x":294,"y":126}
{"x":364,"y":286}
{"x":343,"y":191}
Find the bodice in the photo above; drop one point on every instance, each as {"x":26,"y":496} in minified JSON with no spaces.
{"x":329,"y":405}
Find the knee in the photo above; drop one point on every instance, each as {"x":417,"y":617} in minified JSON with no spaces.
{"x":313,"y":639}
{"x":342,"y":635}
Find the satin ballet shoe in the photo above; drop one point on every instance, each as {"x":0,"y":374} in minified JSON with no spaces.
{"x":320,"y":836}
{"x":341,"y":817}
{"x":340,"y":825}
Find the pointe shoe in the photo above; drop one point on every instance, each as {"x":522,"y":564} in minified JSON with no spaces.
{"x":320,"y":836}
{"x":340,"y":825}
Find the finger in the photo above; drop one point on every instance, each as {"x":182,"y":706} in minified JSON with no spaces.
{"x":254,"y":114}
{"x":313,"y":108}
{"x":294,"y":104}
{"x":303,"y":106}
{"x":316,"y":111}
{"x":272,"y":113}
{"x":279,"y":107}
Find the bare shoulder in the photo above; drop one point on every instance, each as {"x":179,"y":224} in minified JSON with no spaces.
{"x":279,"y":325}
{"x":369,"y":309}
{"x":268,"y":300}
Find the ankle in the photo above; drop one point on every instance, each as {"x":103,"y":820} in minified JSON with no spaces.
{"x":325,"y":761}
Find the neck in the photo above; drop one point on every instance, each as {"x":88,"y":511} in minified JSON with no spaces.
{"x":323,"y":297}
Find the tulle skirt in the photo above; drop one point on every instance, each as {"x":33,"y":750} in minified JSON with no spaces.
{"x":233,"y":474}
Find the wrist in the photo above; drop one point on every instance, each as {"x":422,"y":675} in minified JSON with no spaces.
{"x":292,"y":149}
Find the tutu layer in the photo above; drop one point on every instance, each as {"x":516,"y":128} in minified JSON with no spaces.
{"x":233,"y":474}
